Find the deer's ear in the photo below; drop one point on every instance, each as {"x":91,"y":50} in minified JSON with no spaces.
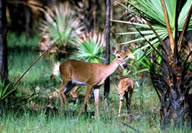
{"x":124,"y":49}
{"x":114,"y":50}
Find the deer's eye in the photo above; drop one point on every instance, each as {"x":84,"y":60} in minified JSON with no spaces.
{"x":118,"y":56}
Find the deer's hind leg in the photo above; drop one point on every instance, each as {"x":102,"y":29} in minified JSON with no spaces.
{"x":127,"y":100}
{"x":62,"y":89}
{"x":86,"y":98}
{"x":62,"y":96}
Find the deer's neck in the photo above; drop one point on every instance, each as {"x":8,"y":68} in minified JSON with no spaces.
{"x":112,"y":67}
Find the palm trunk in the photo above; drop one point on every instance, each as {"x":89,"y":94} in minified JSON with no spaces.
{"x":175,"y":109}
{"x":172,"y":79}
{"x":3,"y":43}
{"x":172,"y":84}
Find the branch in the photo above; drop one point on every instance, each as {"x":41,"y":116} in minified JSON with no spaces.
{"x":149,"y":43}
{"x":189,"y":85}
{"x":172,"y":44}
{"x":137,"y":131}
{"x":190,"y":54}
{"x":34,"y":62}
{"x":185,"y":28}
{"x":158,"y":94}
{"x":161,"y":41}
{"x":149,"y":24}
{"x":176,"y":28}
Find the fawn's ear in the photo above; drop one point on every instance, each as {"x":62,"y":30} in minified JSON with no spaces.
{"x":114,"y":50}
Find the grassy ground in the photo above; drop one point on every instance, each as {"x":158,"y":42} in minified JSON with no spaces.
{"x":142,"y":116}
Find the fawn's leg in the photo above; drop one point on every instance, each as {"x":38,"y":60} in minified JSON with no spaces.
{"x":130,"y":95}
{"x":127,"y":100}
{"x":121,"y":96}
{"x":120,"y":105}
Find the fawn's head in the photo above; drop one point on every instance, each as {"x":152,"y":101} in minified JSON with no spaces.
{"x":122,"y":55}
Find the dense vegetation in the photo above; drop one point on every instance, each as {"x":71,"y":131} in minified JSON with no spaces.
{"x":75,"y":30}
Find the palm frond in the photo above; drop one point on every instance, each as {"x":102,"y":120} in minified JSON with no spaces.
{"x":153,"y":13}
{"x":61,"y":25}
{"x":91,"y":46}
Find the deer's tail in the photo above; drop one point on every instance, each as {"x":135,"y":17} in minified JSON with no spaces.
{"x":55,"y":70}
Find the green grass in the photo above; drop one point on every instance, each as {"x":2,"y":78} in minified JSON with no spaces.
{"x":29,"y":123}
{"x":143,"y":114}
{"x":19,"y":61}
{"x":22,"y":52}
{"x":22,"y":40}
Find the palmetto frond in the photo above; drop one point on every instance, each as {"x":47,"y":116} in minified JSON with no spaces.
{"x":61,"y":25}
{"x":91,"y":46}
{"x":97,"y":37}
{"x":153,"y":13}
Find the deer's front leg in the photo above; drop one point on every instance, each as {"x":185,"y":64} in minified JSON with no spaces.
{"x":96,"y":96}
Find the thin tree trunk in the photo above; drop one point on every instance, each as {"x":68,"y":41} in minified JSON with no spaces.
{"x":95,"y":13}
{"x":28,"y":20}
{"x":107,"y":35}
{"x":3,"y":43}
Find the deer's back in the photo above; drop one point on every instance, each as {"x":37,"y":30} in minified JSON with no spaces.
{"x":81,"y":71}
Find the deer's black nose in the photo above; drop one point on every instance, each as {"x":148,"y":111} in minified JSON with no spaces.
{"x":125,"y":66}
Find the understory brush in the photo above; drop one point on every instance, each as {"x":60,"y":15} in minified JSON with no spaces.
{"x":143,"y":115}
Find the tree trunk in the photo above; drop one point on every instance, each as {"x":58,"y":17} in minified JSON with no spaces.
{"x":174,"y":112}
{"x":28,"y":20}
{"x":172,"y":83}
{"x":174,"y":109}
{"x":107,"y":36}
{"x":95,"y":13}
{"x":3,"y":43}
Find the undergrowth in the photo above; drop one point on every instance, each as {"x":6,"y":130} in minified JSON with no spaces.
{"x":142,"y":117}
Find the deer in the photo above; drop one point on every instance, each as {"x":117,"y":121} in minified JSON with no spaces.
{"x":125,"y":89}
{"x":93,"y":75}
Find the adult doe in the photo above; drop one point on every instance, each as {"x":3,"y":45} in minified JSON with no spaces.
{"x":93,"y":75}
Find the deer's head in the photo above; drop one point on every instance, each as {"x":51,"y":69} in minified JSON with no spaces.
{"x":121,"y":55}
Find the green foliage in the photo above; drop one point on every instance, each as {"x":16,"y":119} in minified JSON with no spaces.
{"x":143,"y":116}
{"x":5,"y":90}
{"x":36,"y":121}
{"x":90,"y":47}
{"x":143,"y":113}
{"x":61,"y":25}
{"x":142,"y":63}
{"x":90,"y":52}
{"x":152,"y":11}
{"x":21,"y":40}
{"x":20,"y":61}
